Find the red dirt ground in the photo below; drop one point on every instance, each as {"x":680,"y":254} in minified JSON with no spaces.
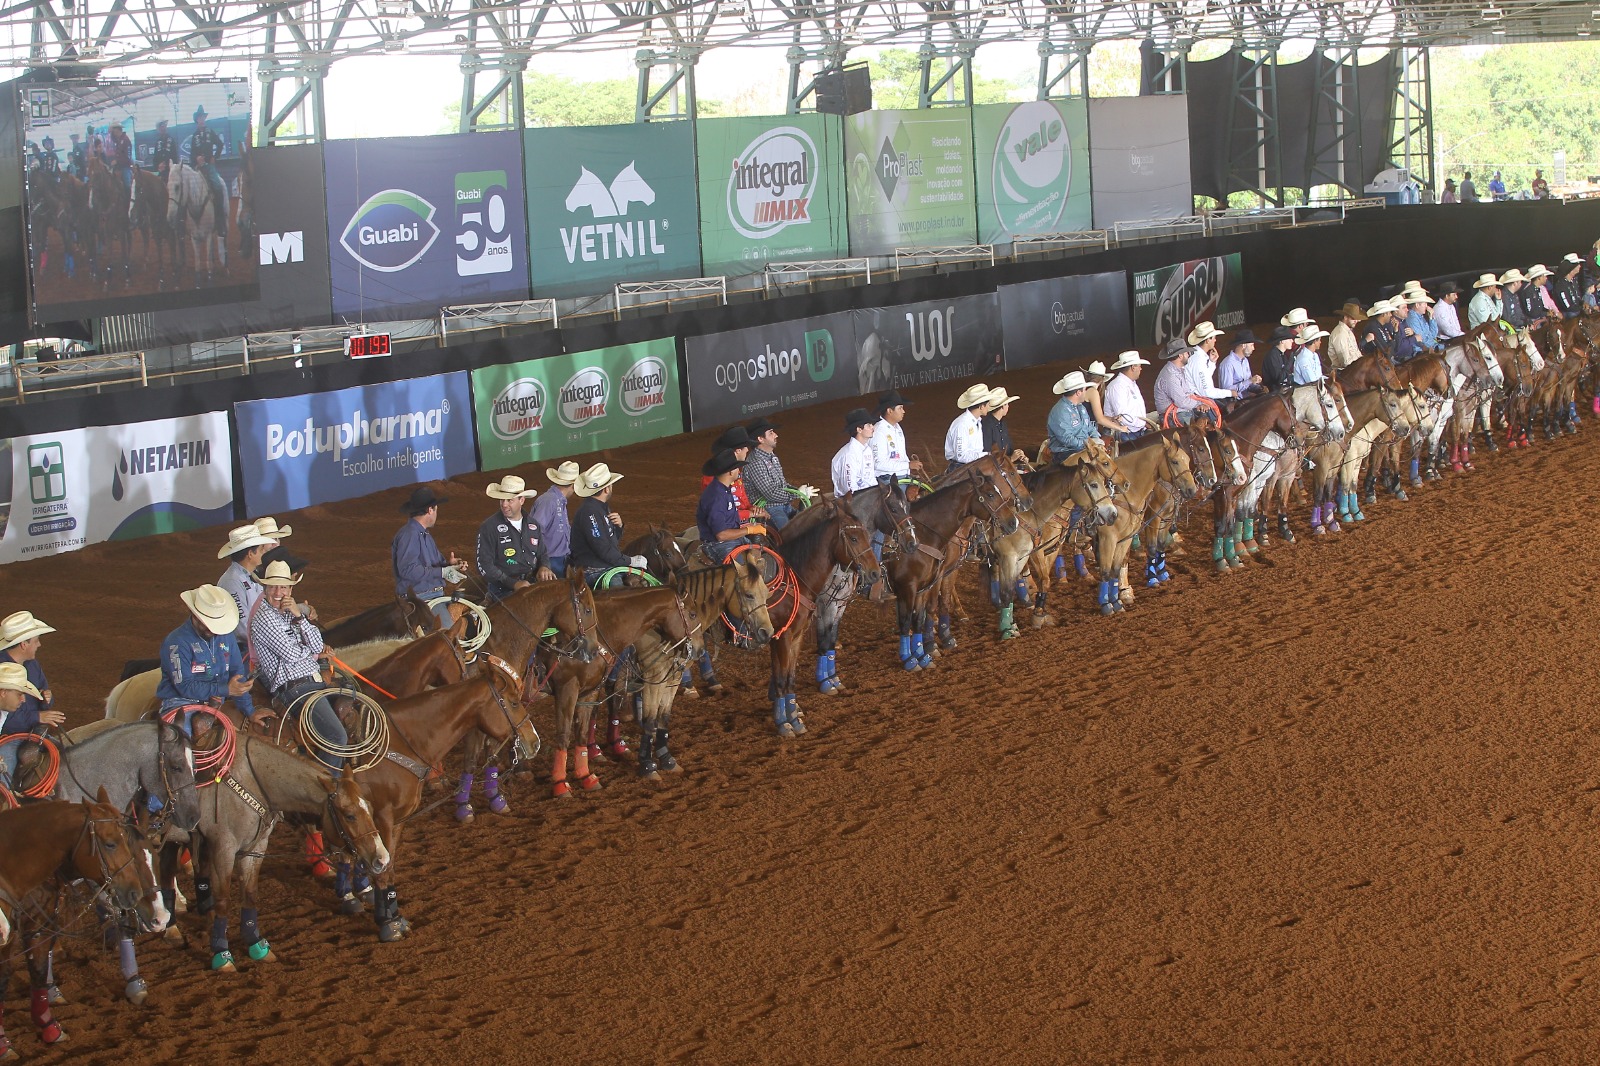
{"x":1336,"y":808}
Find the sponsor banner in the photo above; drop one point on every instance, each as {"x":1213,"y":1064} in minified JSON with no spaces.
{"x":771,"y":189}
{"x":286,"y":231}
{"x":113,"y":160}
{"x":910,"y":179}
{"x":1168,"y":302}
{"x":1065,"y":318}
{"x":82,"y":486}
{"x":300,"y":451}
{"x":417,"y":223}
{"x":908,"y":345}
{"x":581,"y":402}
{"x":1140,"y":158}
{"x":1032,"y":168}
{"x":609,"y":204}
{"x":736,"y":375}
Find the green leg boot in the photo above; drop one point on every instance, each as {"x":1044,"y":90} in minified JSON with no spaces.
{"x":1217,"y":555}
{"x":1008,"y":628}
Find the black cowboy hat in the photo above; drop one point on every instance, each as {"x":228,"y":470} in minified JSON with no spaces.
{"x":732,"y":437}
{"x":1244,"y":336}
{"x":1448,"y":287}
{"x":200,"y":112}
{"x":721,"y":463}
{"x":858,"y":418}
{"x":1282,"y":333}
{"x":755,"y":429}
{"x":280,"y":554}
{"x":892,"y":398}
{"x":420,"y":500}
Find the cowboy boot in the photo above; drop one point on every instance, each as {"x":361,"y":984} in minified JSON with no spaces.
{"x":463,"y":798}
{"x":558,"y":775}
{"x":491,"y":790}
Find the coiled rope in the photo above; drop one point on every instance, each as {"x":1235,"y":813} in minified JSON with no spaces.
{"x":211,"y":764}
{"x":45,"y":787}
{"x":480,"y":636}
{"x":362,"y":754}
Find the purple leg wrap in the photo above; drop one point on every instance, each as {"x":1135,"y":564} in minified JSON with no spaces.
{"x":464,"y":798}
{"x":491,"y":789}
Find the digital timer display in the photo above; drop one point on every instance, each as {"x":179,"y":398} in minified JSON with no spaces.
{"x":366,"y":345}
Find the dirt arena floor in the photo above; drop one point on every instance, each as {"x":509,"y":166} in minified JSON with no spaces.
{"x":1338,"y":808}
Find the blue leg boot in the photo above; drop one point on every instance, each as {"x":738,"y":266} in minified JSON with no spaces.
{"x":780,"y":717}
{"x":1104,"y":598}
{"x":919,"y":651}
{"x":908,"y":660}
{"x":1079,"y":565}
{"x":1060,"y":572}
{"x":1116,"y":595}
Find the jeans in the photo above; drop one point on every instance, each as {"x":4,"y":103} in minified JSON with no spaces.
{"x":778,"y":514}
{"x":324,"y":721}
{"x":8,"y":762}
{"x":214,"y":180}
{"x":719,"y":550}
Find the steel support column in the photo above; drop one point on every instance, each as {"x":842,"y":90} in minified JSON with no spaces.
{"x":955,"y":82}
{"x":679,"y":84}
{"x":1337,"y":155}
{"x":1413,"y":146}
{"x":1064,"y":69}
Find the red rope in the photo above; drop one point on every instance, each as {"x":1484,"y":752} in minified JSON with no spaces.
{"x":46,"y":786}
{"x":7,"y":800}
{"x":783,"y":582}
{"x":213,"y":762}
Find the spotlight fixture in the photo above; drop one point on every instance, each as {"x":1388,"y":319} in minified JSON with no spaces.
{"x":1493,"y":14}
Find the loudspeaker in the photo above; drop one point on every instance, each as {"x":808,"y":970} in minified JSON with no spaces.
{"x":845,"y":92}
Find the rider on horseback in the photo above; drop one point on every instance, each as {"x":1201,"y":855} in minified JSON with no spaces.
{"x":166,"y":150}
{"x":510,"y":553}
{"x":717,"y":516}
{"x":597,"y":530}
{"x":31,"y":707}
{"x":290,"y":656}
{"x":1514,"y":315}
{"x":763,"y":475}
{"x":205,"y":148}
{"x":117,"y":151}
{"x":1070,"y":424}
{"x":419,"y":569}
{"x":200,"y":661}
{"x":963,"y":443}
{"x":246,"y":547}
{"x":549,"y":513}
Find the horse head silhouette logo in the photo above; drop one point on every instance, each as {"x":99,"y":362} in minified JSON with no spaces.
{"x":613,"y":201}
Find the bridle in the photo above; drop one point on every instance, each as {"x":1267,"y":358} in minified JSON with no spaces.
{"x":340,"y":822}
{"x":122,"y":897}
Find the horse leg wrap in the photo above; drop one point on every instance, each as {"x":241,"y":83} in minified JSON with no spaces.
{"x":204,"y":900}
{"x":646,"y":760}
{"x":1416,"y":472}
{"x":127,"y":959}
{"x":994,"y":591}
{"x":1021,"y":591}
{"x":581,"y":772}
{"x":49,"y":1029}
{"x":1285,"y":534}
{"x":792,"y":710}
{"x":1116,"y":594}
{"x":664,"y":757}
{"x":1316,"y":518}
{"x":1216,"y":549}
{"x":590,"y":750}
{"x":169,"y":900}
{"x":1060,"y":571}
{"x":250,"y":932}
{"x":1105,"y":596}
{"x":615,"y":745}
{"x":919,"y":649}
{"x":1008,"y":628}
{"x":907,"y":659}
{"x":947,"y":639}
{"x":827,"y":684}
{"x":1079,"y":565}
{"x":1161,"y":567}
{"x":780,"y":710}
{"x":1152,"y":576}
{"x":491,"y":789}
{"x":219,"y":943}
{"x":558,"y":774}
{"x":1230,"y":547}
{"x":463,"y":799}
{"x":342,"y":880}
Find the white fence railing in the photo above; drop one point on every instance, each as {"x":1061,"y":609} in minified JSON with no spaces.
{"x":650,"y":293}
{"x":942,"y":255}
{"x":813,"y":270}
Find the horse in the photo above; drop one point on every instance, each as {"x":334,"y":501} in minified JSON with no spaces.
{"x":886,"y":510}
{"x":1372,"y":413}
{"x":1260,"y":429}
{"x":107,"y":205}
{"x":150,"y":220}
{"x":824,"y":536}
{"x":191,"y":214}
{"x":49,"y":845}
{"x":392,"y":620}
{"x":664,"y":556}
{"x":943,"y":520}
{"x":1152,"y":459}
{"x":264,"y":784}
{"x":1374,"y":370}
{"x":427,"y":727}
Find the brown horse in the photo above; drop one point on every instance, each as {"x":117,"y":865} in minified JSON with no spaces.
{"x":1154,"y":459}
{"x":423,"y":730}
{"x":1083,"y":481}
{"x":108,"y":220}
{"x":149,"y":220}
{"x":427,"y":662}
{"x":395,"y":620}
{"x":663,"y":554}
{"x":48,"y":846}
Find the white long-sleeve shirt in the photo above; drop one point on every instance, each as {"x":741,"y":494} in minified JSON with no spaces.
{"x":853,"y":468}
{"x":964,"y":442}
{"x":1124,"y":404}
{"x":889,"y":449}
{"x":1199,"y":370}
{"x":1447,"y":320}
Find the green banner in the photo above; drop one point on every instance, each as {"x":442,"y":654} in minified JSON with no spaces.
{"x":1032,"y":168}
{"x":910,"y":179}
{"x":771,"y":189}
{"x":609,"y":204}
{"x":1170,"y":301}
{"x":580,"y":402}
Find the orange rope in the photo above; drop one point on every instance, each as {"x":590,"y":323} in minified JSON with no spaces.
{"x":218,"y":759}
{"x":356,"y":673}
{"x":46,"y":786}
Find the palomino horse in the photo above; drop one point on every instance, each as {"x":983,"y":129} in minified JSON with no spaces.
{"x":1154,"y":459}
{"x":823,"y":537}
{"x":622,"y":616}
{"x":1335,"y":495}
{"x":266,"y":783}
{"x":423,"y":730}
{"x":48,"y":846}
{"x":944,"y":520}
{"x":191,"y":214}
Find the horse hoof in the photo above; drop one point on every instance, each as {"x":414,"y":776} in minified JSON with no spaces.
{"x":649,"y":775}
{"x":1223,"y":568}
{"x":1252,"y":547}
{"x":173,"y":932}
{"x":558,"y":789}
{"x":464,"y":815}
{"x":911,"y":665}
{"x":350,"y":905}
{"x":797,"y":725}
{"x":617,"y":749}
{"x":53,"y":1034}
{"x":391,"y":931}
{"x":1152,"y":582}
{"x":786,"y":731}
{"x":1109,"y":609}
{"x":136,"y":991}
{"x":1042,"y":620}
{"x":689,"y":692}
{"x":590,"y":783}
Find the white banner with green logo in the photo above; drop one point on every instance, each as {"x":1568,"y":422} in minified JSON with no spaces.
{"x":62,"y":491}
{"x":575,"y":403}
{"x":1032,"y":168}
{"x":910,"y":179}
{"x":771,"y":189}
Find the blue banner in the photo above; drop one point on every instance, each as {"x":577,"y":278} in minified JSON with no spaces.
{"x":418,"y":223}
{"x":300,"y":451}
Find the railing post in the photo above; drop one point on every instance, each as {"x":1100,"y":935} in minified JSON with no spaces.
{"x":144,"y":373}
{"x":244,"y":342}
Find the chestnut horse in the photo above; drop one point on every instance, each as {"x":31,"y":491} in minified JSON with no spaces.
{"x":1154,"y":459}
{"x":1083,"y":481}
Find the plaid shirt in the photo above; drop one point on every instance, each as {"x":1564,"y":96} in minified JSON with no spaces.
{"x":285,"y":648}
{"x":763,"y":476}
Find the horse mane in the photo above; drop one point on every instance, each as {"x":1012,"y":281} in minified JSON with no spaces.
{"x":798,"y":547}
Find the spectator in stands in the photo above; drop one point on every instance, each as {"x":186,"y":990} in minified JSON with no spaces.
{"x":1541,"y":188}
{"x":1446,"y":197}
{"x":1469,"y":191}
{"x":1497,"y":188}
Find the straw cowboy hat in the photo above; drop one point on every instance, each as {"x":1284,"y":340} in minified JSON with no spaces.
{"x":1295,"y":318}
{"x":1127,"y":359}
{"x":999,"y":397}
{"x":214,"y":607}
{"x":244,"y":537}
{"x":1512,"y":275}
{"x":20,"y":627}
{"x":1413,"y":286}
{"x":1073,"y":382}
{"x":595,"y":480}
{"x":975,"y":396}
{"x":1382,"y":307}
{"x":1485,"y":281}
{"x":1313,"y":332}
{"x":1573,"y":258}
{"x":269,"y":528}
{"x":1352,"y":309}
{"x":1097,"y":369}
{"x":510,"y":487}
{"x":1416,"y":296}
{"x":14,"y":676}
{"x":1203,"y":332}
{"x":277,"y":573}
{"x":1539,"y":270}
{"x":565,"y":474}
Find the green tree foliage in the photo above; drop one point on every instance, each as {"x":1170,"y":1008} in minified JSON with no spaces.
{"x":897,"y":81}
{"x":554,"y":100}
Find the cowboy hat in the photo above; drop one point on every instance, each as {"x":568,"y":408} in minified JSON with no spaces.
{"x":1511,"y":276}
{"x":214,"y":607}
{"x":721,"y":463}
{"x":269,"y":528}
{"x":1539,"y":270}
{"x":1416,"y":296}
{"x":565,"y":474}
{"x":1174,"y":348}
{"x":1127,"y":359}
{"x":242,"y":538}
{"x":892,"y":398}
{"x":1382,"y":307}
{"x":14,"y":676}
{"x":1313,"y":332}
{"x":1485,"y":280}
{"x":1297,"y":317}
{"x":757,"y":429}
{"x":1097,"y":369}
{"x":1073,"y":382}
{"x":595,"y":480}
{"x":1282,"y":333}
{"x":277,"y":573}
{"x":999,"y":397}
{"x":20,"y":627}
{"x":1244,"y":336}
{"x":1202,"y":332}
{"x":857,"y":418}
{"x":732,"y":437}
{"x":421,"y":500}
{"x":1352,"y":309}
{"x":1573,"y":258}
{"x":510,"y":487}
{"x":975,"y":396}
{"x":1412,"y":286}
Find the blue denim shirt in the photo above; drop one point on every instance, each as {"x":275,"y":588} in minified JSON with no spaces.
{"x":1070,"y":426}
{"x":196,"y":666}
{"x":25,"y":719}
